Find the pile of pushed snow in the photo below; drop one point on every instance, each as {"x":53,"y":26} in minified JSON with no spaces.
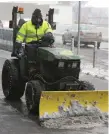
{"x":76,"y":122}
{"x":96,"y":72}
{"x":76,"y":116}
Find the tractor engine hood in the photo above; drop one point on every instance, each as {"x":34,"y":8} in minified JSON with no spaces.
{"x":51,"y":54}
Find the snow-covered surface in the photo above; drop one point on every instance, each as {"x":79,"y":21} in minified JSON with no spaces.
{"x":75,"y":123}
{"x":76,"y":117}
{"x":87,"y":68}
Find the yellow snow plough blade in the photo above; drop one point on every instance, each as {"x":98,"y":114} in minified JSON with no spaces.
{"x":52,"y":101}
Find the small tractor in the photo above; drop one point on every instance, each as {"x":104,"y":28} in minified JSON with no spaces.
{"x":40,"y":70}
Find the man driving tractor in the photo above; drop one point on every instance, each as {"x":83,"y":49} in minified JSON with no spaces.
{"x":33,"y":30}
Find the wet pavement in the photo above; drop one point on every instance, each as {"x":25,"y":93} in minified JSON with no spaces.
{"x":14,"y":118}
{"x":13,"y":121}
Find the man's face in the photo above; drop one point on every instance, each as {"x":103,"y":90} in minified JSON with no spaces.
{"x":39,"y":19}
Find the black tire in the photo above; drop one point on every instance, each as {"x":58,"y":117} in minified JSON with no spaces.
{"x":85,"y":85}
{"x":98,"y":45}
{"x":12,"y":87}
{"x":33,"y":91}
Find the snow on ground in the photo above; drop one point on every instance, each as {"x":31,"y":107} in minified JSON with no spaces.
{"x":76,"y":117}
{"x":99,"y":72}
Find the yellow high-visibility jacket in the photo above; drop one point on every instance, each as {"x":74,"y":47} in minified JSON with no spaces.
{"x":29,"y":33}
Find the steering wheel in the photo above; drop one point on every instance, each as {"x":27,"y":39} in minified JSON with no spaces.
{"x":36,"y":43}
{"x":42,"y":43}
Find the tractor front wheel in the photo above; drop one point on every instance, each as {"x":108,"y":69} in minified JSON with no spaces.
{"x":32,"y":96}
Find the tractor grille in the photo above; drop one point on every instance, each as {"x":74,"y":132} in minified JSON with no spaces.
{"x":52,"y":70}
{"x":68,"y":65}
{"x":70,"y":68}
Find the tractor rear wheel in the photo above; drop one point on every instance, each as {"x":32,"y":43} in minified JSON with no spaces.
{"x":32,"y":96}
{"x":85,"y":85}
{"x":13,"y":87}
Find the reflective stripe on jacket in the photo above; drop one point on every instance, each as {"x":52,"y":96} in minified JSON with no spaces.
{"x":29,"y":33}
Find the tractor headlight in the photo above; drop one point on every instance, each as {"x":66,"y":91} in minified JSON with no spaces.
{"x":61,"y":64}
{"x":74,"y":65}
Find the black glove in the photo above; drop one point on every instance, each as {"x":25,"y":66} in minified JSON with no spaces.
{"x":48,"y":37}
{"x":18,"y":47}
